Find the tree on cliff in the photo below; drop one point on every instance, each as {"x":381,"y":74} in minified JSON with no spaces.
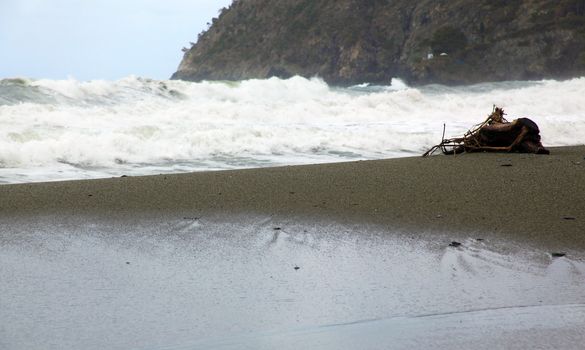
{"x":353,"y":41}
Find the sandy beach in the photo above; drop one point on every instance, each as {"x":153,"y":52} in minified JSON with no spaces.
{"x":533,"y":198}
{"x":272,"y":193}
{"x":333,"y":256}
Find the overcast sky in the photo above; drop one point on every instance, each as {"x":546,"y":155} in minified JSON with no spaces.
{"x":99,"y":39}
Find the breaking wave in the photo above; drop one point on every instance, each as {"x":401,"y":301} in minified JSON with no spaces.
{"x":56,"y":129}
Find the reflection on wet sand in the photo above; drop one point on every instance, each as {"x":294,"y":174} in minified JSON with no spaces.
{"x":262,"y":283}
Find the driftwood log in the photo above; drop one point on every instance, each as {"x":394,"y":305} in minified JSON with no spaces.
{"x":495,"y":134}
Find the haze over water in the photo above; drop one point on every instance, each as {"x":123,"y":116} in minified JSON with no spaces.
{"x":68,"y":129}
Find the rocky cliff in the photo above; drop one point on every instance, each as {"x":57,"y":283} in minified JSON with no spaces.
{"x":421,"y":41}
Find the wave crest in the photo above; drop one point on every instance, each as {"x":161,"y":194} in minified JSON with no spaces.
{"x":137,"y":123}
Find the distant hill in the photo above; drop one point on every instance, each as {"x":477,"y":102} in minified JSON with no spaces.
{"x":422,"y":41}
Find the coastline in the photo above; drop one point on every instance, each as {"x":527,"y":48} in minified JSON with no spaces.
{"x":330,"y":256}
{"x":525,"y":197}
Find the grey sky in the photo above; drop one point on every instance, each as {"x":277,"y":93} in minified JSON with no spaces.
{"x":99,"y":39}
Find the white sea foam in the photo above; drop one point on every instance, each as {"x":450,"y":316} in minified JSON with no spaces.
{"x":69,"y":129}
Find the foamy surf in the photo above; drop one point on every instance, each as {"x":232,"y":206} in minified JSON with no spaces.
{"x":67,"y":129}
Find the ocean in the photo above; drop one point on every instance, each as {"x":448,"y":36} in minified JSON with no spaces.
{"x":68,"y":129}
{"x":84,"y":268}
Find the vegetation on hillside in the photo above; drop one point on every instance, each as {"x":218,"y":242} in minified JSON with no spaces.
{"x":352,"y":41}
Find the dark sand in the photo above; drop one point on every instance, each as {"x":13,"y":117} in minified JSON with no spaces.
{"x":534,"y":199}
{"x":337,"y":256}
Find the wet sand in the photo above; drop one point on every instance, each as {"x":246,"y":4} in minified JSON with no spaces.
{"x":531,"y":198}
{"x":336,"y":256}
{"x":259,"y":282}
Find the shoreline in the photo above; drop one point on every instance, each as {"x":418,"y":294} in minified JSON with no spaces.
{"x":526,"y":197}
{"x":329,"y":256}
